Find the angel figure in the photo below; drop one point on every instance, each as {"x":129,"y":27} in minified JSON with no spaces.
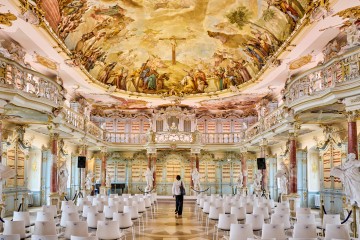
{"x":5,"y":173}
{"x":257,"y":181}
{"x":108,"y":181}
{"x":89,"y":181}
{"x":63,"y":175}
{"x":349,"y":174}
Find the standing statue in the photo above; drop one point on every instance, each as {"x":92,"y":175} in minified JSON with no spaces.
{"x":149,"y":177}
{"x":89,"y":181}
{"x":283,"y":175}
{"x":63,"y":175}
{"x":5,"y":173}
{"x":349,"y":174}
{"x":195,"y":175}
{"x":108,"y":180}
{"x":257,"y":181}
{"x":240,"y":180}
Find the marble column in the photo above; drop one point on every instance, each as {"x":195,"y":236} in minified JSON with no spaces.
{"x":103,"y":166}
{"x":153,"y":156}
{"x":197,"y":164}
{"x":1,"y":149}
{"x":352,"y":133}
{"x":149,"y":160}
{"x":83,"y":152}
{"x":192,"y":160}
{"x":54,"y":155}
{"x":293,"y":165}
{"x":264,"y":180}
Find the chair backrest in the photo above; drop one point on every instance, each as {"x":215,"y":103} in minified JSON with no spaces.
{"x":14,"y":227}
{"x":281,"y":219}
{"x":68,"y":216}
{"x":303,"y":238}
{"x":214,"y":212}
{"x":124,"y":220}
{"x":141,"y":206}
{"x":10,"y":237}
{"x":69,"y":209}
{"x":241,"y":232}
{"x":256,"y":220}
{"x":239,"y":212}
{"x":109,"y":210}
{"x":79,"y":228}
{"x":225,"y":221}
{"x":249,"y":207}
{"x":120,"y":206}
{"x":282,"y":210}
{"x":44,"y":216}
{"x":303,"y":211}
{"x":88,"y":209}
{"x":337,"y":231}
{"x":306,"y":218}
{"x":206,"y":207}
{"x":45,"y":228}
{"x":44,"y":237}
{"x":65,"y":204}
{"x":50,"y":208}
{"x":133,"y":210}
{"x":304,"y":230}
{"x":108,"y":230}
{"x":273,"y":231}
{"x":331,"y":219}
{"x":93,"y":218}
{"x":284,"y":204}
{"x":22,"y":216}
{"x":262,"y":210}
{"x":84,"y":238}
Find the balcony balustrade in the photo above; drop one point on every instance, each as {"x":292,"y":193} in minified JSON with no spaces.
{"x":16,"y":77}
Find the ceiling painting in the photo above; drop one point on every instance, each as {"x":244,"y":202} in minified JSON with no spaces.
{"x":178,"y":46}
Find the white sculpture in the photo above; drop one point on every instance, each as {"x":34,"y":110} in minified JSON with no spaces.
{"x":63,"y":175}
{"x":257,"y":181}
{"x":195,"y":175}
{"x":149,"y":177}
{"x":89,"y":181}
{"x":108,"y":181}
{"x":352,"y":34}
{"x":283,"y":175}
{"x":349,"y":175}
{"x":5,"y":173}
{"x":240,"y":180}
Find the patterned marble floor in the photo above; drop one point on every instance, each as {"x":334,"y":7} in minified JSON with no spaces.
{"x":168,"y":226}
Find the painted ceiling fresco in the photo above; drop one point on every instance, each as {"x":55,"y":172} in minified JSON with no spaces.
{"x":187,"y":46}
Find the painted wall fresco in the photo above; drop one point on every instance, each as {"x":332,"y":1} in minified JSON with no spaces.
{"x":178,"y":46}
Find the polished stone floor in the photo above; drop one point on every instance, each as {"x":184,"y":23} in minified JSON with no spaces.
{"x":167,"y":225}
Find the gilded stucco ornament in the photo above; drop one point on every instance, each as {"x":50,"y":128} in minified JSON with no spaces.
{"x":7,"y":19}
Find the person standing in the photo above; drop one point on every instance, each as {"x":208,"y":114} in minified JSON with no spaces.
{"x":177,"y":193}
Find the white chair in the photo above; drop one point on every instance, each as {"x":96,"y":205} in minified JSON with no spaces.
{"x":50,"y":208}
{"x":336,"y":231}
{"x":214,"y":213}
{"x":84,"y":238}
{"x":15,"y":227}
{"x":281,"y":219}
{"x":262,"y":210}
{"x":273,"y":231}
{"x":303,"y":239}
{"x":249,"y":207}
{"x":285,"y":204}
{"x":108,"y":230}
{"x":303,"y":211}
{"x":224,"y":223}
{"x":44,"y":216}
{"x":69,"y":209}
{"x":113,"y":201}
{"x":125,"y":222}
{"x":304,"y":230}
{"x":10,"y":237}
{"x":133,"y":210}
{"x":282,"y":210}
{"x":65,"y":204}
{"x":99,"y":204}
{"x":44,"y":237}
{"x":88,"y":209}
{"x":109,"y":210}
{"x":79,"y":228}
{"x":120,"y":206}
{"x":93,"y":218}
{"x":256,"y":221}
{"x":68,"y":216}
{"x":306,"y":218}
{"x":241,"y":232}
{"x":330,"y":219}
{"x":22,"y":216}
{"x":45,"y":228}
{"x":239,"y":212}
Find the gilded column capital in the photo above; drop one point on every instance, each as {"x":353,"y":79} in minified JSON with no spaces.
{"x":263,"y":142}
{"x":103,"y":149}
{"x":243,"y":150}
{"x":54,"y":136}
{"x":352,"y":115}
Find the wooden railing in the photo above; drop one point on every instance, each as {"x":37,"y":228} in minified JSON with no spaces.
{"x":338,"y":70}
{"x":15,"y":76}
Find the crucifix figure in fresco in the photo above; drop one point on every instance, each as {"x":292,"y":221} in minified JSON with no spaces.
{"x":173,"y":40}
